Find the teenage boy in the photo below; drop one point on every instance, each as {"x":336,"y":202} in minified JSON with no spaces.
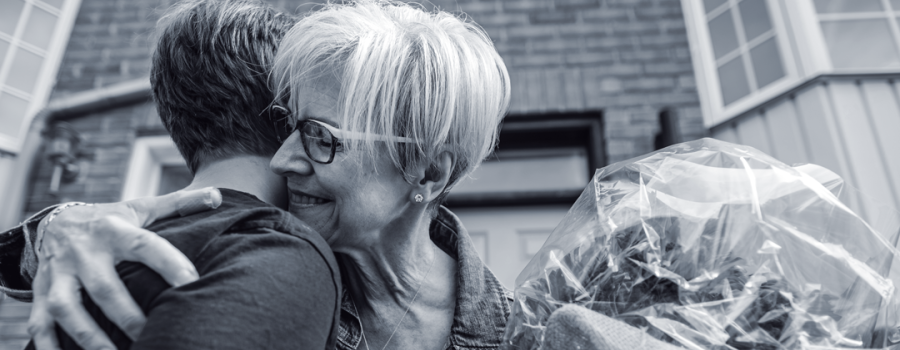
{"x":266,"y":281}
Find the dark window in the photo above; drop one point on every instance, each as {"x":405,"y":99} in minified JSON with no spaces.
{"x":668,"y":130}
{"x":540,"y":159}
{"x":173,"y":178}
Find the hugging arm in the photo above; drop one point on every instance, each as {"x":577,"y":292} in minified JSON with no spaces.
{"x":79,"y":248}
{"x":263,"y":290}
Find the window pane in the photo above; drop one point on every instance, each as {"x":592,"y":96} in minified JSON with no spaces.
{"x":12,"y":113}
{"x":25,"y":69}
{"x":733,"y":80}
{"x":55,"y":3}
{"x":10,"y":11}
{"x":39,"y":29}
{"x":895,"y":4}
{"x":836,"y":6}
{"x":755,"y":15}
{"x":529,"y":170}
{"x":766,"y":63}
{"x":723,"y":35}
{"x":4,"y":47}
{"x":863,"y":43}
{"x":710,"y":5}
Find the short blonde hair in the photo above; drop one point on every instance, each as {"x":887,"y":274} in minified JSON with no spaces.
{"x":403,"y":71}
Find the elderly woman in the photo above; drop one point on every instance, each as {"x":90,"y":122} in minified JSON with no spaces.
{"x":390,"y":106}
{"x":387,"y":107}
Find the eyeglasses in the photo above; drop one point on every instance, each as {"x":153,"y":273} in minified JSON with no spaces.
{"x":320,"y":140}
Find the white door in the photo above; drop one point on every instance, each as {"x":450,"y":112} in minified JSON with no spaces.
{"x":507,"y":237}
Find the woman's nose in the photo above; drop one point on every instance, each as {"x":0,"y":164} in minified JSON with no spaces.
{"x":291,"y":158}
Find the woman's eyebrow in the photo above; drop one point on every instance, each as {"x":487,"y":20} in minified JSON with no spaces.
{"x":323,"y":120}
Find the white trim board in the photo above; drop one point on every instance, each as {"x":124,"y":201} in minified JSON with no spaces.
{"x":148,"y":156}
{"x":46,"y":79}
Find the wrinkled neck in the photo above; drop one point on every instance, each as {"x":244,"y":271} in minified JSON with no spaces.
{"x":249,"y":174}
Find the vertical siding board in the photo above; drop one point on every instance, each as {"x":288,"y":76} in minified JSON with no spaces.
{"x":787,"y":139}
{"x":816,"y":118}
{"x":851,"y":115}
{"x":752,"y":132}
{"x":813,"y":114}
{"x":885,"y":117}
{"x":727,"y":134}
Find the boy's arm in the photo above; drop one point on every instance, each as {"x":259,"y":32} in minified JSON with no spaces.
{"x":256,"y":291}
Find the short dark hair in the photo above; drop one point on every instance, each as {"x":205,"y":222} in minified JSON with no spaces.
{"x":209,"y":77}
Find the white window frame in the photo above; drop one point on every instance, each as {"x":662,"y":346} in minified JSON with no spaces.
{"x":706,"y":70}
{"x":802,"y":43}
{"x":148,"y":157}
{"x":806,"y":13}
{"x":47,"y":77}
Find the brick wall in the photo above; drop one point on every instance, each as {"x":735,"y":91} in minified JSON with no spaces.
{"x":110,"y":43}
{"x":626,"y":58}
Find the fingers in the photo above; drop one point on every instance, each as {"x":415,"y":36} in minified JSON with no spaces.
{"x":181,"y":203}
{"x":102,"y":283}
{"x":137,"y":244}
{"x":63,"y":303}
{"x":40,"y":324}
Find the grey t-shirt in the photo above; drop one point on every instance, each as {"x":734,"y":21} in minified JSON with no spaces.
{"x":266,"y":282}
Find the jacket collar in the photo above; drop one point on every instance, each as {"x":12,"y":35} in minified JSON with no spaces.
{"x":482,"y":303}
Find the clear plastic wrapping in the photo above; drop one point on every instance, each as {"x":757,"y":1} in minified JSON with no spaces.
{"x":711,"y":245}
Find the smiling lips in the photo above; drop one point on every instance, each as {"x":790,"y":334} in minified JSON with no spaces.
{"x":303,"y":200}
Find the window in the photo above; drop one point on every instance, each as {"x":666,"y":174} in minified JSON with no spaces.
{"x":860,"y":33}
{"x":743,"y":53}
{"x":33,"y":34}
{"x":745,"y":46}
{"x":564,"y":168}
{"x":155,"y":168}
{"x":747,"y":52}
{"x":545,"y":159}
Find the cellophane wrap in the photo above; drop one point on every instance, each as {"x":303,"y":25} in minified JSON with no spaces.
{"x":711,"y":245}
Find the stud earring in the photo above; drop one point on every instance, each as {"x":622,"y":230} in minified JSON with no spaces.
{"x":419,"y":198}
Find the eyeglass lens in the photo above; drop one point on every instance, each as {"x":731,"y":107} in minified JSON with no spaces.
{"x":318,"y":142}
{"x":282,"y":121}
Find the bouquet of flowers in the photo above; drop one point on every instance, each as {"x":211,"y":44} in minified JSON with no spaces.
{"x":710,"y":245}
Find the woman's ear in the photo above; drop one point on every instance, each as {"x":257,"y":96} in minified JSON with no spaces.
{"x":431,"y":180}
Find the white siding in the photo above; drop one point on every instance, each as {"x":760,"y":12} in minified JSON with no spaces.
{"x":784,"y":130}
{"x":849,"y":126}
{"x":884,"y":112}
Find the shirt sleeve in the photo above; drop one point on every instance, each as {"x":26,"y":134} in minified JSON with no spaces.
{"x":18,"y":263}
{"x":256,"y":291}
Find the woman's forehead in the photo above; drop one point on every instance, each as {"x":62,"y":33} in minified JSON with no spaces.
{"x":319,"y":101}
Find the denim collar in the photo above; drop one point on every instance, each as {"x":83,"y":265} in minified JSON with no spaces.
{"x":482,"y":303}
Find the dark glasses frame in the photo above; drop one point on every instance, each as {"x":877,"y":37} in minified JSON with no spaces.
{"x":283,"y":123}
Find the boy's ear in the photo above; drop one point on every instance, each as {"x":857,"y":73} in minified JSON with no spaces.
{"x":431,"y":180}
